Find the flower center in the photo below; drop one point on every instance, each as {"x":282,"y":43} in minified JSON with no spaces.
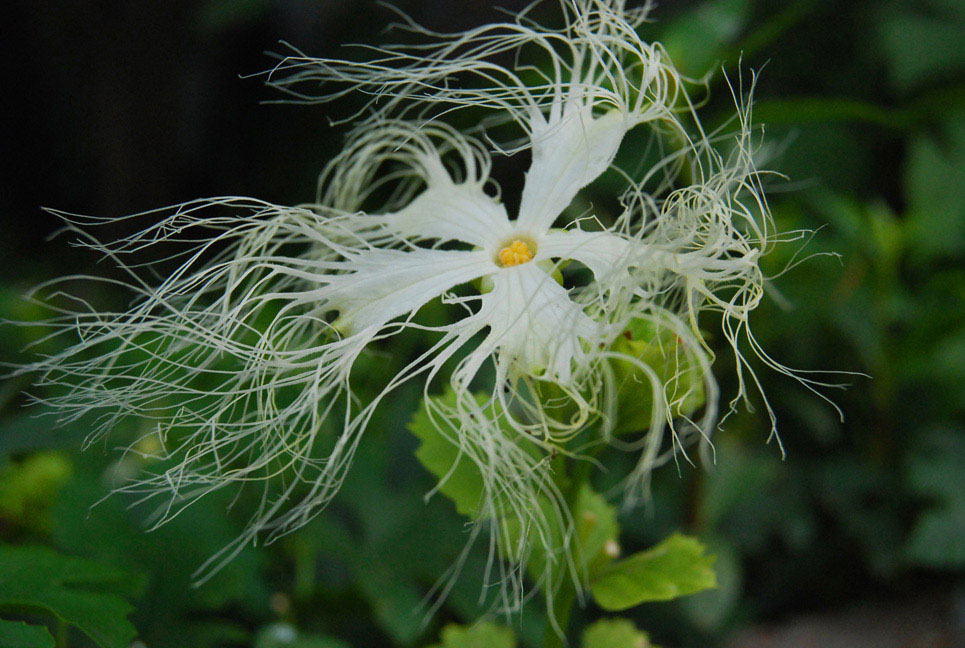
{"x":514,"y":254}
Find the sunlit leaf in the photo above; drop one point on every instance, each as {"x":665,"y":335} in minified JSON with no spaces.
{"x":615,"y":633}
{"x":28,"y":488}
{"x":676,"y":567}
{"x":480,"y":635}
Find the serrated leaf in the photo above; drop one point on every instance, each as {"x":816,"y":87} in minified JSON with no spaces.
{"x":615,"y":633}
{"x":79,"y":592}
{"x":16,"y":634}
{"x":712,"y":609}
{"x":169,"y":556}
{"x":676,"y":567}
{"x":463,"y":483}
{"x":480,"y":635}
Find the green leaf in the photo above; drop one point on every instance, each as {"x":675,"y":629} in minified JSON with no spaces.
{"x":699,"y":38}
{"x":935,"y":466}
{"x":936,"y":540}
{"x":771,"y":29}
{"x":480,"y":635}
{"x":81,"y":593}
{"x":676,"y":567}
{"x":463,"y":483}
{"x":806,"y":110}
{"x":395,"y":602}
{"x":597,"y":530}
{"x":596,"y":536}
{"x":15,"y":634}
{"x":921,"y":48}
{"x":28,"y":489}
{"x":711,"y":610}
{"x":659,"y":348}
{"x":934,"y":471}
{"x":934,"y":178}
{"x":169,"y":556}
{"x":615,"y":633}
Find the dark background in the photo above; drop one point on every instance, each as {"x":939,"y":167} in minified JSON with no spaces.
{"x":118,"y":107}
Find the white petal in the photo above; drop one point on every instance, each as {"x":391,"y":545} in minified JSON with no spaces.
{"x":533,"y":321}
{"x":605,"y":254}
{"x":452,"y":212}
{"x":568,"y":154}
{"x":384,"y":284}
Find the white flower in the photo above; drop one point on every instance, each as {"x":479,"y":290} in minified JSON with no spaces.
{"x":245,"y":354}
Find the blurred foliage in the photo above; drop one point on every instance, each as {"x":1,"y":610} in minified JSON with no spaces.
{"x":78,"y":592}
{"x":865,"y":110}
{"x":615,"y":633}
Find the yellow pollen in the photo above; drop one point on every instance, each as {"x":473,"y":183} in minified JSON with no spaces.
{"x":516,"y":253}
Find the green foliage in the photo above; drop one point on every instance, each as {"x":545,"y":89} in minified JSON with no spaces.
{"x":84,"y":594}
{"x":384,"y":544}
{"x":480,"y":635}
{"x":935,"y":179}
{"x":595,"y":541}
{"x":659,"y":348}
{"x":28,"y":489}
{"x":865,"y":113}
{"x":170,"y":556}
{"x":937,"y":37}
{"x":283,"y":635}
{"x":14,"y":634}
{"x":676,"y":567}
{"x":615,"y":633}
{"x":935,"y":473}
{"x":807,"y":110}
{"x":463,"y":483}
{"x":597,"y":530}
{"x":697,"y":39}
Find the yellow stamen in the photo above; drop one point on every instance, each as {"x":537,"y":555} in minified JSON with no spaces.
{"x":516,"y":253}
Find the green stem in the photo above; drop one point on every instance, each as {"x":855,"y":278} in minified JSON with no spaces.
{"x":565,"y":599}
